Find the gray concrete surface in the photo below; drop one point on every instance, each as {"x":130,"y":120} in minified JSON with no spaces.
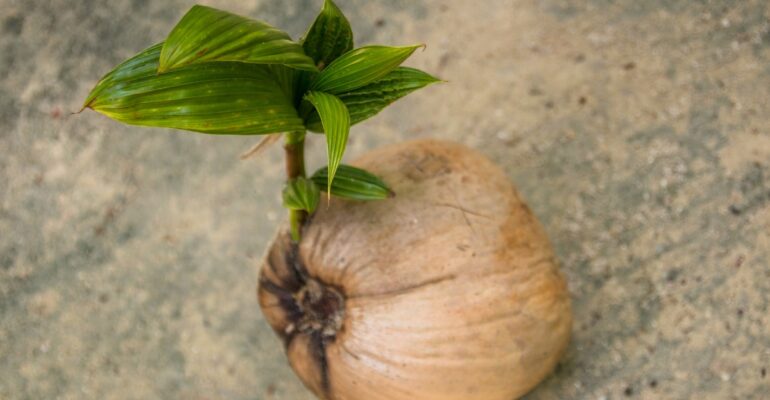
{"x":637,"y":130}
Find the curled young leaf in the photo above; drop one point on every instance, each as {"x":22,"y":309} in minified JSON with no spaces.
{"x":367,"y":101}
{"x":207,"y":34}
{"x":354,"y":183}
{"x":360,"y":67}
{"x":301,"y":194}
{"x":329,"y":37}
{"x":217,"y":98}
{"x":336,"y":122}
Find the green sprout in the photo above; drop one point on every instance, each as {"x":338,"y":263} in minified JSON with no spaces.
{"x":220,"y":73}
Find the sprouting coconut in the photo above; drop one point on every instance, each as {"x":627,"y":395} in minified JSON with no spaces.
{"x":447,"y":291}
{"x":425,"y":276}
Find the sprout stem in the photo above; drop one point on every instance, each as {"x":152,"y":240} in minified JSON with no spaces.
{"x":295,"y":168}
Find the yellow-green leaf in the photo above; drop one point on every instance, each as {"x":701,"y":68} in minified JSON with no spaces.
{"x":207,"y":34}
{"x":336,"y":122}
{"x":353,"y":183}
{"x":216,"y":98}
{"x":359,"y":67}
{"x":301,"y":194}
{"x":367,"y":101}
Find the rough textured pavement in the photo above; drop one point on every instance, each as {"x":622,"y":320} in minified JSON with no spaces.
{"x":637,"y":130}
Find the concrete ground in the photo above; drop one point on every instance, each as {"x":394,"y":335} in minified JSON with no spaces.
{"x":637,"y":130}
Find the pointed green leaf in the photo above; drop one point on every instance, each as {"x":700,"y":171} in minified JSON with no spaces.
{"x":353,"y":183}
{"x":301,"y":194}
{"x":217,"y":98}
{"x":336,"y":122}
{"x":329,"y":37}
{"x":369,"y":100}
{"x":207,"y":34}
{"x":360,"y":67}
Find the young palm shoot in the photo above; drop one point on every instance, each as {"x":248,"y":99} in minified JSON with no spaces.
{"x":219,"y":73}
{"x":449,"y":290}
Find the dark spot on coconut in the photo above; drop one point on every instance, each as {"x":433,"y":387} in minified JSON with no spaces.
{"x":311,"y":308}
{"x":629,"y":66}
{"x":318,"y":352}
{"x":582,"y":100}
{"x":282,"y":266}
{"x":322,"y":307}
{"x":285,"y":299}
{"x":295,"y":263}
{"x":740,"y":312}
{"x":379,"y":23}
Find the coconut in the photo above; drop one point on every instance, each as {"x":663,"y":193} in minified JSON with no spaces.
{"x":447,"y":291}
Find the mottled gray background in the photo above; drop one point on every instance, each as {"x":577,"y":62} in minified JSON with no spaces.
{"x":637,"y":130}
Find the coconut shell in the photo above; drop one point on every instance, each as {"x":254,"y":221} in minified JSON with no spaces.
{"x":447,"y":291}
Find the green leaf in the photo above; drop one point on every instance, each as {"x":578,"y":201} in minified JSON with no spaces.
{"x":286,"y":78}
{"x":217,"y":98}
{"x":336,"y":122}
{"x":329,"y":37}
{"x":367,"y":101}
{"x":207,"y":34}
{"x":301,"y":194}
{"x":360,"y":67}
{"x":354,"y":183}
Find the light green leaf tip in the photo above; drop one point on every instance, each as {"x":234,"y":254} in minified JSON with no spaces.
{"x":329,"y":37}
{"x":336,"y":122}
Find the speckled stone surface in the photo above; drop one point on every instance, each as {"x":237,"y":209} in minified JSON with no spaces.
{"x":637,"y":130}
